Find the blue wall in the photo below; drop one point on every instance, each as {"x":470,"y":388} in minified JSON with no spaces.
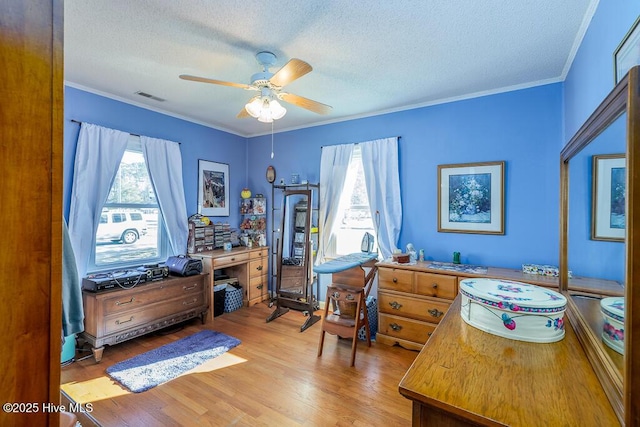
{"x":523,"y":128}
{"x":197,"y":142}
{"x":591,"y":77}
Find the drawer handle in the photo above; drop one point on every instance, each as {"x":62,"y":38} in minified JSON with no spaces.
{"x":435,"y":313}
{"x":121,"y":322}
{"x":395,"y":326}
{"x":395,"y":280}
{"x":185,"y":288}
{"x":395,"y":305}
{"x":429,"y":334}
{"x":233,"y":259}
{"x":259,"y":268}
{"x":434,"y":286}
{"x":190,"y":303}
{"x":126,"y":302}
{"x":260,"y":286}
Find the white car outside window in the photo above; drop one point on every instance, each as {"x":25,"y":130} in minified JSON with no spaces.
{"x":120,"y":226}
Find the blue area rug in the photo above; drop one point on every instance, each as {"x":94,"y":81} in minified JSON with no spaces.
{"x":165,"y":363}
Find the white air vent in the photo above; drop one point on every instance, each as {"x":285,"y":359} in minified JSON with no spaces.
{"x":148,"y":95}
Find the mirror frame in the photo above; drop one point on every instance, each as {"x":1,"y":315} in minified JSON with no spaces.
{"x":623,"y":390}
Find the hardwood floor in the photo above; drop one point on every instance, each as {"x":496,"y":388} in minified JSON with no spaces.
{"x":273,"y":378}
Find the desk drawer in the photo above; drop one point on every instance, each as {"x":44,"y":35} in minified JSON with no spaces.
{"x":406,"y":329}
{"x":416,"y":308}
{"x":258,"y":287}
{"x":436,"y":285}
{"x":395,"y":279}
{"x":228,"y":260}
{"x":157,"y":292}
{"x":262,"y":253}
{"x":258,"y":267}
{"x":120,"y":322}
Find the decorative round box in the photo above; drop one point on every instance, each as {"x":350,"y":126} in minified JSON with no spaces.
{"x":612,"y":309}
{"x":513,"y":310}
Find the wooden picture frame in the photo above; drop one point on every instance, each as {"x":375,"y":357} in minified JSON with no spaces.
{"x":471,"y":198}
{"x":213,"y":188}
{"x":608,"y":216}
{"x":627,"y":54}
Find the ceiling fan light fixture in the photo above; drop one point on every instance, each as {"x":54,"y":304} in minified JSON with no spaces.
{"x":277,"y":110}
{"x":254,"y":106}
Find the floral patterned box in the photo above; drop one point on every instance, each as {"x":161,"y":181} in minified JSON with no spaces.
{"x":542,"y":270}
{"x":612,"y":309}
{"x":513,"y":310}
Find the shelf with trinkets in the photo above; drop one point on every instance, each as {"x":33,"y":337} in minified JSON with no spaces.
{"x":253,"y":225}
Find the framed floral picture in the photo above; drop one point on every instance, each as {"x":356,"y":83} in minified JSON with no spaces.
{"x":471,"y":198}
{"x":213,"y":188}
{"x":608,"y":198}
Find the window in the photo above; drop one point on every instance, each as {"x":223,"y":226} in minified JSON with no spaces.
{"x":353,"y":211}
{"x":130,"y":231}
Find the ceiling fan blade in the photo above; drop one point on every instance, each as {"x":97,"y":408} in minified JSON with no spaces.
{"x":292,"y":70}
{"x":243,"y":114}
{"x":215,"y":82}
{"x":306,"y":103}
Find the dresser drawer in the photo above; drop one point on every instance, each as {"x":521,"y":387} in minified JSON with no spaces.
{"x":416,"y":308}
{"x":436,"y":285}
{"x":122,"y":321}
{"x":228,"y":260}
{"x":262,"y":253}
{"x":395,"y":279}
{"x":406,"y":329}
{"x":152,"y":293}
{"x":258,"y":287}
{"x":258,"y":267}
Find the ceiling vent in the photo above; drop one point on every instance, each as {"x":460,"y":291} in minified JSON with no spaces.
{"x":148,"y":95}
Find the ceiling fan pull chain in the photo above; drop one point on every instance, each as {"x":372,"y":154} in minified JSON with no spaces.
{"x":272,"y":140}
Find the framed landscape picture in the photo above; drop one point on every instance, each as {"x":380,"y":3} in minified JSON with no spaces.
{"x":213,"y":188}
{"x":608,"y":216}
{"x":471,"y":198}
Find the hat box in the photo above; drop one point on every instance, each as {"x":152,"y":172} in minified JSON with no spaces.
{"x":513,"y":310}
{"x":612,"y":309}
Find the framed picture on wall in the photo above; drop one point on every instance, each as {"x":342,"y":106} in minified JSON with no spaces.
{"x":627,"y":54}
{"x":213,"y":188}
{"x":608,"y":216}
{"x":471,"y":198}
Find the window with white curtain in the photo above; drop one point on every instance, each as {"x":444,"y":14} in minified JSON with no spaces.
{"x":130,"y":231}
{"x":354,"y":215}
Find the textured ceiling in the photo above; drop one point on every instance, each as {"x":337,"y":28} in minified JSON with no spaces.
{"x":368,"y":57}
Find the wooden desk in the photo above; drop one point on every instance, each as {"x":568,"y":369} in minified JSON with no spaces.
{"x":464,"y":376}
{"x":249,"y":265}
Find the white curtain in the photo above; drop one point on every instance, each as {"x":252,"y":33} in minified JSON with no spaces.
{"x":382,"y":177}
{"x":334,"y":164}
{"x":98,"y":156}
{"x":164,"y":163}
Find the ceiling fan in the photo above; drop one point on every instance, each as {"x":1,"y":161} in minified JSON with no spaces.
{"x":265,"y":106}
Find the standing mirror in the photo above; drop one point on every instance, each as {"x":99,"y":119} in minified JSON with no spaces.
{"x":294,"y":274}
{"x":598,"y":189}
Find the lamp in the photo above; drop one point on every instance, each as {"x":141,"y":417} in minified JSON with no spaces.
{"x":265,"y":108}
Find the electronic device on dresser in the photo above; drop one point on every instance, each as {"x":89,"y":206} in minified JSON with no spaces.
{"x":113,"y":279}
{"x":154,"y":271}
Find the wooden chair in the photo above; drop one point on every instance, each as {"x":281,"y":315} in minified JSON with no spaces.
{"x":348,"y":316}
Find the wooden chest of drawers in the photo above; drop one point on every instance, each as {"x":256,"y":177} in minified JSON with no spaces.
{"x":118,"y":315}
{"x":411,"y":303}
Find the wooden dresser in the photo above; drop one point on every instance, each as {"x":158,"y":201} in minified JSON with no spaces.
{"x":411,"y":303}
{"x":466,"y":377}
{"x":249,"y":265}
{"x":413,"y":298}
{"x":119,"y":315}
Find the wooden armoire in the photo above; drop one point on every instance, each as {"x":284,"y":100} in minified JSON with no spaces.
{"x":31,"y":121}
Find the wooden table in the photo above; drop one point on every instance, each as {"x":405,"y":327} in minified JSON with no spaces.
{"x":464,"y":376}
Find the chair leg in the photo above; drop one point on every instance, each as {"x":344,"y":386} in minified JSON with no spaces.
{"x":321,"y":343}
